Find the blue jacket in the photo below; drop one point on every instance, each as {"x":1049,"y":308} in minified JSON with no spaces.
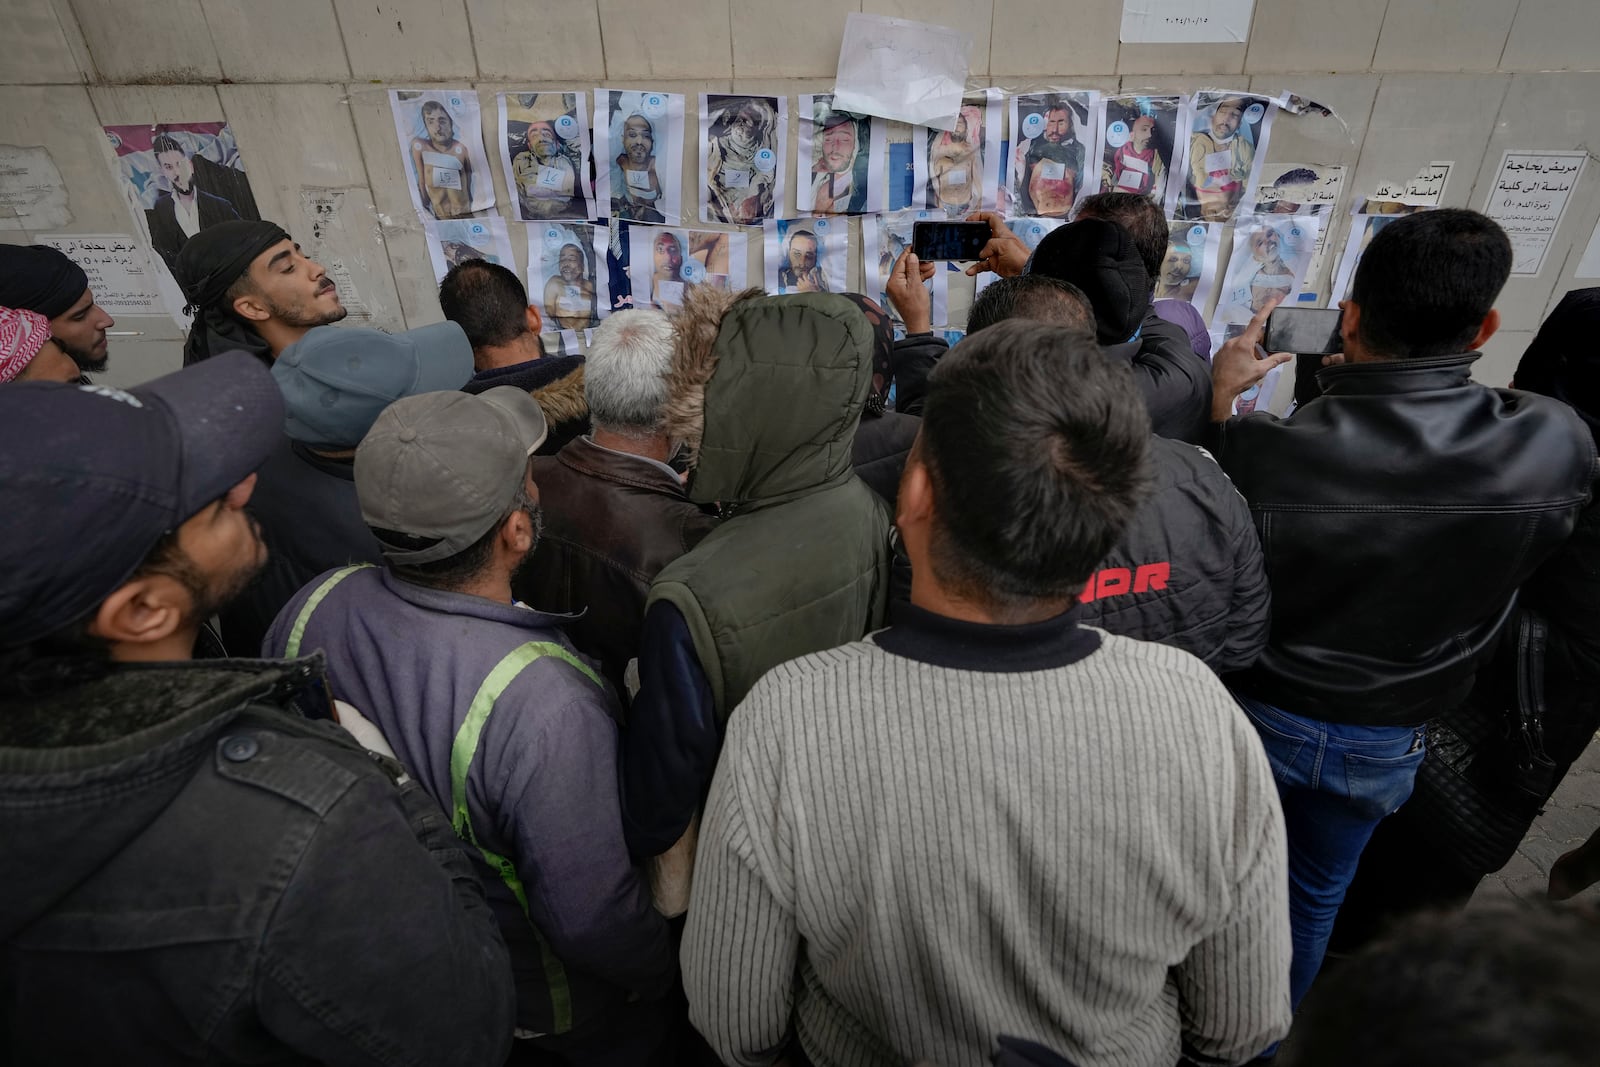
{"x":541,"y":789}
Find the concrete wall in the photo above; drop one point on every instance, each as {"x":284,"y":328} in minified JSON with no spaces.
{"x":303,"y":84}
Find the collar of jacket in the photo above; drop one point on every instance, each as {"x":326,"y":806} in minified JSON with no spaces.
{"x":476,"y":607}
{"x":941,"y":641}
{"x":1385,"y":376}
{"x":136,"y":707}
{"x":596,"y":461}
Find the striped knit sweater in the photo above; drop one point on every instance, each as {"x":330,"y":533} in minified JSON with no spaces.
{"x":909,"y":853}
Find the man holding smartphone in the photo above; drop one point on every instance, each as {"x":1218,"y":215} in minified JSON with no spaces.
{"x":1398,"y":511}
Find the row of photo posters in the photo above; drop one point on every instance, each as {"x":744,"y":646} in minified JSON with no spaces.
{"x":588,"y":155}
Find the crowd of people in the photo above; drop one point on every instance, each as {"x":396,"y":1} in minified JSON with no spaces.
{"x":762,"y":689}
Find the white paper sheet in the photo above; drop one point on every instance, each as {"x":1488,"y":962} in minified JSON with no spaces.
{"x":664,"y":263}
{"x":1223,"y":153}
{"x":883,"y":239}
{"x":639,"y":133}
{"x":1362,"y":229}
{"x":543,"y":142}
{"x":1270,"y":256}
{"x":441,"y":147}
{"x":807,"y":255}
{"x":1185,"y":21}
{"x":1189,"y":270}
{"x":119,"y":270}
{"x":32,"y":194}
{"x":1054,"y":164}
{"x":1307,"y":189}
{"x":911,"y":71}
{"x":1529,"y":197}
{"x":743,"y":141}
{"x":840,"y":158}
{"x":454,"y":241}
{"x":960,"y":170}
{"x":1139,"y":142}
{"x":567,"y":277}
{"x":1589,"y":265}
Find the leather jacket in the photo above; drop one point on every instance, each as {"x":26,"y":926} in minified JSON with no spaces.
{"x":611,"y":522}
{"x":1399,"y":513}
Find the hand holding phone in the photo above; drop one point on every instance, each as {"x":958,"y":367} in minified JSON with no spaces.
{"x":1305,"y":331}
{"x":949,"y":240}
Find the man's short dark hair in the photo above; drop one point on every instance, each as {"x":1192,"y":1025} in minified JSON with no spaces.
{"x":1428,"y":280}
{"x":165,"y":143}
{"x":487,"y":301}
{"x":1512,"y":985}
{"x":453,"y":572}
{"x":1140,"y":216}
{"x":1036,"y":446}
{"x":1035,"y":297}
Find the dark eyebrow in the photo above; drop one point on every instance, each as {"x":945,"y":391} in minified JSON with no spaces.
{"x":277,"y":261}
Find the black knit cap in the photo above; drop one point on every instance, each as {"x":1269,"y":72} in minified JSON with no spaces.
{"x":1100,"y":258}
{"x":39,"y":278}
{"x":210,"y":262}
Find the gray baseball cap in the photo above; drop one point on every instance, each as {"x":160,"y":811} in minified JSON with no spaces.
{"x":336,"y":379}
{"x":446,"y":466}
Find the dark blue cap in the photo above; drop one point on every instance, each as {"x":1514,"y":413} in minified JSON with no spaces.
{"x":91,"y":478}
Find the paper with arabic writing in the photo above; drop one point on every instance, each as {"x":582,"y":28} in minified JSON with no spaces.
{"x":1528,"y":199}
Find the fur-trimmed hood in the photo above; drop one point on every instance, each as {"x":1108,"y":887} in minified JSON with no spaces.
{"x":562,"y":400}
{"x":766,"y":392}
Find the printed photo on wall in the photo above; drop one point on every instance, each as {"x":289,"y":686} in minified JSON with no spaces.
{"x":451,"y":242}
{"x":441,"y":145}
{"x":1189,"y":270}
{"x":544,"y":152}
{"x":883,"y":239}
{"x":181,"y":177}
{"x":742,"y":144}
{"x":840,"y":158}
{"x":1031,"y":231}
{"x":962,"y":166}
{"x":1268,"y":263}
{"x":566,"y":274}
{"x":638,"y":149}
{"x":1227,"y":141}
{"x":1052,"y":165}
{"x":806,"y":255}
{"x":1303,"y":189}
{"x":1362,"y":229}
{"x":1140,"y":136}
{"x":666,"y":263}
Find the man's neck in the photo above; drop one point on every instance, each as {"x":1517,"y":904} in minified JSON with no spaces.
{"x":650,"y":446}
{"x":521,"y":350}
{"x":929,"y":595}
{"x":176,"y":646}
{"x":443,"y":146}
{"x":187,"y":198}
{"x":279,"y":335}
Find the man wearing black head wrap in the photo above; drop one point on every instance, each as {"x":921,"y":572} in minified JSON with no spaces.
{"x":251,"y":289}
{"x":42,"y":279}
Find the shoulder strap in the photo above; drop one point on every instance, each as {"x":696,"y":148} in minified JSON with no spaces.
{"x":297,"y":633}
{"x":462,"y":752}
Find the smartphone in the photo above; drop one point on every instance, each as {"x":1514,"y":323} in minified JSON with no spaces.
{"x":949,"y":240}
{"x":1304,"y":331}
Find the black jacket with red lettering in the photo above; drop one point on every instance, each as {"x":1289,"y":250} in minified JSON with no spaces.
{"x":1188,"y":571}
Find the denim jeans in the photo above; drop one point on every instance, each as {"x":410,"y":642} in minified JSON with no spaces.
{"x":1337,"y":782}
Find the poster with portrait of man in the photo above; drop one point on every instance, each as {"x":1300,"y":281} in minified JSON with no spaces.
{"x":567,"y":274}
{"x":961,"y":167}
{"x":638,"y":151}
{"x":840,"y":158}
{"x":1055,"y":138}
{"x":807,"y":255}
{"x":181,"y":177}
{"x":1189,"y":269}
{"x":1139,"y":137}
{"x":1271,"y":254}
{"x":441,"y":145}
{"x":1031,"y":232}
{"x":1222,"y":155}
{"x":544,"y":153}
{"x":743,"y":140}
{"x":451,"y":242}
{"x":664,"y":263}
{"x":883,"y":239}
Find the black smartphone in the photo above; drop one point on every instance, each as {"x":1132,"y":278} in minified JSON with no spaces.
{"x":1304,"y":331}
{"x":949,"y":240}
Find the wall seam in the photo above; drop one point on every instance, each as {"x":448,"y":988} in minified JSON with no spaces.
{"x":472,"y":42}
{"x":216,"y":53}
{"x":1500,"y":61}
{"x":1377,"y":41}
{"x":350,"y":68}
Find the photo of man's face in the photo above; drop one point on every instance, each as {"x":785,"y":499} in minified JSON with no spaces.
{"x":1225,"y":121}
{"x":570,"y":263}
{"x":638,"y":140}
{"x":669,"y":255}
{"x":542,"y":139}
{"x":839,"y":147}
{"x":1057,"y":125}
{"x":437,"y":120}
{"x":802,"y":253}
{"x":1176,"y":266}
{"x":178,"y":170}
{"x":1144,"y":128}
{"x":1264,"y":245}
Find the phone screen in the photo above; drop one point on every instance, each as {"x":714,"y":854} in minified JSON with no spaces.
{"x":949,"y":240}
{"x":1304,"y":331}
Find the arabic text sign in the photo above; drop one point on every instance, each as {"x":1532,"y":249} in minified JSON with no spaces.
{"x":1528,"y":197}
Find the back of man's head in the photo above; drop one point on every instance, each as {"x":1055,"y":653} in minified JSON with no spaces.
{"x":1099,"y":257}
{"x":487,"y":300}
{"x":1033,"y":297}
{"x":1035,"y":445}
{"x":1427,"y":282}
{"x":1507,"y":987}
{"x":624,"y":378}
{"x":1140,"y":216}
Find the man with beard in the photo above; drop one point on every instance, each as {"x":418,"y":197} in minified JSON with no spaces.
{"x":182,"y":210}
{"x":954,"y":164}
{"x":432,"y":645}
{"x":1220,"y":159}
{"x":1052,"y":167}
{"x":42,"y":279}
{"x":667,"y":282}
{"x":546,"y":179}
{"x":839,"y":176}
{"x":801,"y":272}
{"x":251,"y":289}
{"x":1136,"y":166}
{"x":635,"y":188}
{"x":569,"y":294}
{"x":740,"y":189}
{"x":179,"y":842}
{"x":442,"y":165}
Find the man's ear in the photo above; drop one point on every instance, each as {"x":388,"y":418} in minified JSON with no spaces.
{"x":914,"y":501}
{"x":142,"y":611}
{"x":1349,"y":323}
{"x":533,"y":319}
{"x":251,"y":307}
{"x":1487,"y":329}
{"x":516,"y":535}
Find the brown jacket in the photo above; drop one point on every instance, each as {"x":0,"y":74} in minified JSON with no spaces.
{"x":611,"y":521}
